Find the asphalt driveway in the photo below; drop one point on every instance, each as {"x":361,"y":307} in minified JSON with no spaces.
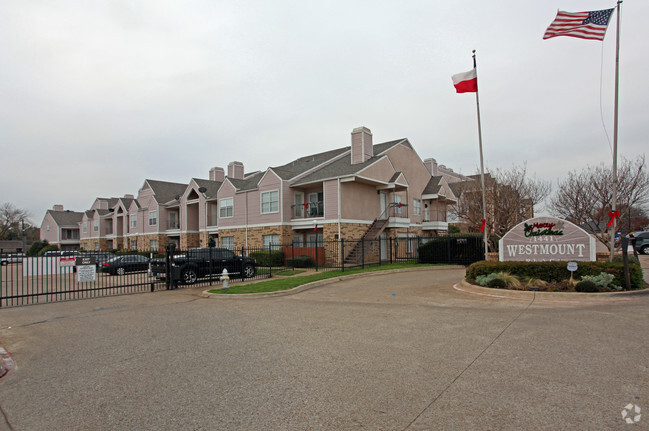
{"x":382,"y":352}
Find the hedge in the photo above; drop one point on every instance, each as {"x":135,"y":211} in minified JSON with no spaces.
{"x":557,"y":271}
{"x":302,"y":261}
{"x":268,"y":257}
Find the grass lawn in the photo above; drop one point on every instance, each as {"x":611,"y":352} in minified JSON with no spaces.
{"x":275,"y":285}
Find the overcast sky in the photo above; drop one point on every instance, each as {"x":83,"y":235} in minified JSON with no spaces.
{"x":96,"y":96}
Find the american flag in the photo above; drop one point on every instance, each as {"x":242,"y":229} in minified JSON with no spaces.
{"x":585,"y":25}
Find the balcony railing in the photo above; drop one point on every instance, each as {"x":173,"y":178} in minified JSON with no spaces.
{"x":308,"y":210}
{"x":395,"y":209}
{"x":434,"y":215}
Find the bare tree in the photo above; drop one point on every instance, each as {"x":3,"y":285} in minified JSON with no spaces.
{"x":11,"y":219}
{"x":511,"y":197}
{"x":585,"y":197}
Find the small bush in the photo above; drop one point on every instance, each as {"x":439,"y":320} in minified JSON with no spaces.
{"x":632,"y":259}
{"x":536,"y":282}
{"x":36,"y":247}
{"x":602,"y":280}
{"x":268,"y":257}
{"x":556,"y":271}
{"x":301,"y":261}
{"x":483,"y":280}
{"x":497,"y":283}
{"x":51,"y":247}
{"x":586,"y":286}
{"x":509,"y":280}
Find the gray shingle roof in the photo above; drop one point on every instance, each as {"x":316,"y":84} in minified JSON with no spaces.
{"x":211,"y":186}
{"x":303,"y":164}
{"x":344,"y":167}
{"x":66,"y":218}
{"x":251,"y":182}
{"x":433,"y":187}
{"x":165,"y":191}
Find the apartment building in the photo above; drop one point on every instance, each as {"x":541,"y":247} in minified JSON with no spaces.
{"x":61,"y":227}
{"x":361,"y":190}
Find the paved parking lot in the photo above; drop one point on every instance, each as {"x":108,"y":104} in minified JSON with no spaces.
{"x":382,"y":352}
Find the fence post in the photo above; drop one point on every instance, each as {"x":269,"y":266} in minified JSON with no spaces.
{"x":390,"y":249}
{"x":168,"y":267}
{"x":362,"y":253}
{"x":342,"y":251}
{"x":293,"y":255}
{"x":379,"y":250}
{"x":316,"y":254}
{"x":270,"y":261}
{"x":1,"y":280}
{"x":448,"y":249}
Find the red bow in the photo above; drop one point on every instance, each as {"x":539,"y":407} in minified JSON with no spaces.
{"x":484,"y":222}
{"x":305,"y":204}
{"x":612,"y":215}
{"x":399,"y":204}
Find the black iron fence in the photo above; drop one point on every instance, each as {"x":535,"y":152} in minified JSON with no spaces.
{"x":60,"y":276}
{"x":63,"y":276}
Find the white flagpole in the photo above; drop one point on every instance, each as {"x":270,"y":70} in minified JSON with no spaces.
{"x":613,"y":229}
{"x":484,"y":200}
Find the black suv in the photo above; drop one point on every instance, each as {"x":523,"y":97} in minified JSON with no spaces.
{"x":641,"y":242}
{"x":203,"y":262}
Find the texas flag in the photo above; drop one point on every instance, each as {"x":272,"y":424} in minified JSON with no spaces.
{"x":466,"y":82}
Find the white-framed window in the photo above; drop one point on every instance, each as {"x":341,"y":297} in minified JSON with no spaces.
{"x":270,"y":202}
{"x":314,"y":240}
{"x":416,"y":207}
{"x":298,"y":240}
{"x":153,"y":245}
{"x":226,"y":207}
{"x":84,"y":227}
{"x":132,"y":221}
{"x":153,"y":218}
{"x":271,"y":242}
{"x":133,"y":244}
{"x":95,"y":226}
{"x":173,"y":220}
{"x":227,"y":242}
{"x":299,"y":204}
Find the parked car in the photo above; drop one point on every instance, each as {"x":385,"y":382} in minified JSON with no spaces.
{"x":101,"y":257}
{"x":120,"y":265}
{"x":201,"y":262}
{"x":6,"y":259}
{"x":641,"y":241}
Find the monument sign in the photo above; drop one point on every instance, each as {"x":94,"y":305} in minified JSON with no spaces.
{"x":545,"y":239}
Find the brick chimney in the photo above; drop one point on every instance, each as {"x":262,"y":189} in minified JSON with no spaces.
{"x":362,"y":149}
{"x":431,"y":165}
{"x":235,"y":170}
{"x":217,"y":174}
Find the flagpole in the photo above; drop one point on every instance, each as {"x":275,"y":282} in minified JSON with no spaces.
{"x":613,"y":227}
{"x":484,"y":200}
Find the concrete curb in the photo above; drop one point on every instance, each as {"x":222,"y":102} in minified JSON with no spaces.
{"x":319,"y":283}
{"x":525,"y":295}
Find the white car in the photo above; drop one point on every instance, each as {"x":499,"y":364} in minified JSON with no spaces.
{"x":6,"y":259}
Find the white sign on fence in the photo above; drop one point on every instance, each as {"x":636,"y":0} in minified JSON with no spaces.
{"x":86,"y":273}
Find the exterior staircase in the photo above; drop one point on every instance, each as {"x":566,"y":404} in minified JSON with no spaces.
{"x":354,"y":256}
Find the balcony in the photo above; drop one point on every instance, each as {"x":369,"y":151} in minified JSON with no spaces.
{"x":308,"y":210}
{"x":435,"y":220}
{"x":305,"y":214}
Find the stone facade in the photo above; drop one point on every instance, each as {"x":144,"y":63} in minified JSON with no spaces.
{"x":190,"y":240}
{"x":144,"y":242}
{"x":255,"y":235}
